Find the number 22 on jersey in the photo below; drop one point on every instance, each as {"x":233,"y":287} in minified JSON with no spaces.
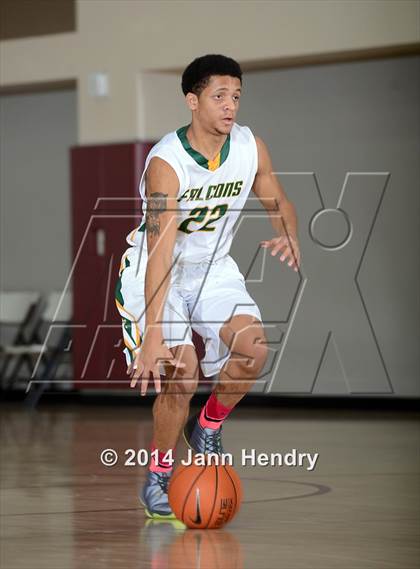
{"x":203,"y":215}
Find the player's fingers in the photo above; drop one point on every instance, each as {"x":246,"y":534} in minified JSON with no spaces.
{"x":132,"y":369}
{"x":293,"y":259}
{"x":287,"y":253}
{"x":281,"y":242}
{"x":269,"y":242}
{"x":138,"y":368}
{"x":134,"y":378}
{"x":274,"y":251}
{"x":276,"y":245}
{"x":144,"y":381}
{"x":295,"y":254}
{"x":156,"y":379}
{"x":283,"y":248}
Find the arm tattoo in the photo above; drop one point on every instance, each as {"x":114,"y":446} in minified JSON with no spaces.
{"x":155,"y":206}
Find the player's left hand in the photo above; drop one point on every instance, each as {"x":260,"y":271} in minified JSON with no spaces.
{"x":287,"y":246}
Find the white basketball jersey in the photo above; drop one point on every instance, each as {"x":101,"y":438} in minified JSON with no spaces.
{"x":211,"y":193}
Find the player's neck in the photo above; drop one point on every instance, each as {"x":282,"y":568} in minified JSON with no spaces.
{"x":206,"y":143}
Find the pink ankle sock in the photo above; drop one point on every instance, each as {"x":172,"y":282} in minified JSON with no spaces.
{"x":160,"y":463}
{"x":213,"y":413}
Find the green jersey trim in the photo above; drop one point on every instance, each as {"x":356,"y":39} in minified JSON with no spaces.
{"x":198,"y":157}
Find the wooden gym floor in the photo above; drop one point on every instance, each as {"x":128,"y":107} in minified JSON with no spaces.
{"x":359,"y":507}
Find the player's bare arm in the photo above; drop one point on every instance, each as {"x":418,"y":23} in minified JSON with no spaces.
{"x":279,"y":208}
{"x":161,"y":225}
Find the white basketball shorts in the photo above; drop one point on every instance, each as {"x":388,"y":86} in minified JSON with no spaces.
{"x":201,"y":297}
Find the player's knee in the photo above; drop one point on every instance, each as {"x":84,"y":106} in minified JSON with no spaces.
{"x":253,"y":354}
{"x":261,"y":352}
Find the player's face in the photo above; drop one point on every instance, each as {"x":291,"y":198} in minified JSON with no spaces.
{"x":218,"y":103}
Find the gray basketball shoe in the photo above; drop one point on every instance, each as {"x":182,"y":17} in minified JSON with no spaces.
{"x":154,"y":496}
{"x":201,"y":440}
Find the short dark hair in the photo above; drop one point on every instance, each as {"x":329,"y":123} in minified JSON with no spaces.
{"x":197,"y":74}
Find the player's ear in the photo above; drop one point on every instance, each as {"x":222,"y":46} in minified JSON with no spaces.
{"x":192,"y":101}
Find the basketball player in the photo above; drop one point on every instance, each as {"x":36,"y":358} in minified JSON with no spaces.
{"x":177,"y":274}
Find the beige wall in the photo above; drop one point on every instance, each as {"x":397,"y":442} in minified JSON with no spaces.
{"x":126,"y":38}
{"x":161,"y":104}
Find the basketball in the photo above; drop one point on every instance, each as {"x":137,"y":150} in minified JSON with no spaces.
{"x":205,"y":496}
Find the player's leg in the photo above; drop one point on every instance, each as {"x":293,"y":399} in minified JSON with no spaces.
{"x":245,"y":338}
{"x":172,"y":405}
{"x":170,"y":411}
{"x":230,"y":321}
{"x":244,"y":335}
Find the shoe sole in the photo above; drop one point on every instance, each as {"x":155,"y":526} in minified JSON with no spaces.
{"x":155,"y":515}
{"x":176,"y":524}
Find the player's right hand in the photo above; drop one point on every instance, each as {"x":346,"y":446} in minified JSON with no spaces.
{"x":147,"y":361}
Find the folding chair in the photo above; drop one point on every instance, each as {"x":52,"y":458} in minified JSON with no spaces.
{"x":55,"y":350}
{"x":20,"y":314}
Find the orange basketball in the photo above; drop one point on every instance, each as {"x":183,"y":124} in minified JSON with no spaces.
{"x":205,"y":496}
